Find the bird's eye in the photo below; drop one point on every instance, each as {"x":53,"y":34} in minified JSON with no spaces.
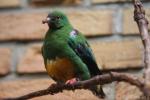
{"x":58,"y":17}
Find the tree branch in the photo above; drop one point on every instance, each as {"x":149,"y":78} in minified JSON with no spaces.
{"x":142,"y":22}
{"x":100,"y":79}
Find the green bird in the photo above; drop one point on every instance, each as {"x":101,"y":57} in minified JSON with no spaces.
{"x":67,"y":55}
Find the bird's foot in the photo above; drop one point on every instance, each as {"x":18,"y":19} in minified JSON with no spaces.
{"x":71,"y":81}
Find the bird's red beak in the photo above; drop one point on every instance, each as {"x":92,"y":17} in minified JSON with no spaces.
{"x":46,"y":20}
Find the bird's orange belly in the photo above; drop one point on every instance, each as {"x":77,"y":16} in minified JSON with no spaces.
{"x":60,"y":69}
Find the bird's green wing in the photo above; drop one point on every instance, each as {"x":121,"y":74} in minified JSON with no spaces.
{"x":82,"y":49}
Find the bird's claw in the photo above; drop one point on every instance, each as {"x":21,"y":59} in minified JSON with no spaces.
{"x":71,"y":81}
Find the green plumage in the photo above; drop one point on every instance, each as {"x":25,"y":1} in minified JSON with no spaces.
{"x":56,"y":45}
{"x":63,"y":41}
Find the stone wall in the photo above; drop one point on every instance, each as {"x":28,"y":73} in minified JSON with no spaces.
{"x":108,"y":25}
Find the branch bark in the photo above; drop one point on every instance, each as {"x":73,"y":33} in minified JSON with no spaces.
{"x":142,"y":22}
{"x":100,"y":79}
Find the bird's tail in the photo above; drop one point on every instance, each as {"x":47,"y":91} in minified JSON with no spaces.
{"x":98,"y":91}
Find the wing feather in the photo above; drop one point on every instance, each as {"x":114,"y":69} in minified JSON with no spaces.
{"x":81,"y":47}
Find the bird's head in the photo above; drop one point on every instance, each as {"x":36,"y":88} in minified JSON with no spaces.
{"x":56,"y":20}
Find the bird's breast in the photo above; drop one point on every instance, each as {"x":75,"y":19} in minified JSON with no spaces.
{"x":60,"y":69}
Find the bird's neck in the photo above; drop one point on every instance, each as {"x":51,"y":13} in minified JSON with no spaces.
{"x":61,"y":28}
{"x":65,"y":29}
